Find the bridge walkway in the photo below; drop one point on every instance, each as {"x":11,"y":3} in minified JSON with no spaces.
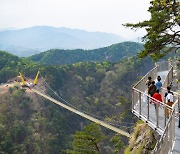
{"x":149,"y":108}
{"x":102,"y":123}
{"x":155,"y":117}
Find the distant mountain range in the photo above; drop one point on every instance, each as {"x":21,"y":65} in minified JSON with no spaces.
{"x":10,"y":28}
{"x":113,"y":53}
{"x":28,"y":41}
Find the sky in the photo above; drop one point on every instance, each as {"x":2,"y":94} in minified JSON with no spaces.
{"x":90,"y":15}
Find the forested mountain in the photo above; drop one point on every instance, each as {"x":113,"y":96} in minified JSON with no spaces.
{"x":10,"y":65}
{"x":31,"y":124}
{"x":112,"y":53}
{"x":25,"y":42}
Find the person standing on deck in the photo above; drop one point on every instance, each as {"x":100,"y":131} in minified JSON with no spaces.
{"x":168,"y":100}
{"x":158,"y":83}
{"x":157,"y":96}
{"x":152,"y":89}
{"x":149,"y":81}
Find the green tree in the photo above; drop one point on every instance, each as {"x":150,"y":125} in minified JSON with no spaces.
{"x":118,"y":144}
{"x":87,"y":140}
{"x":163,"y":28}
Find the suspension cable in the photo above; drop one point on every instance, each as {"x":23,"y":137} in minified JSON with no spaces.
{"x":127,"y":123}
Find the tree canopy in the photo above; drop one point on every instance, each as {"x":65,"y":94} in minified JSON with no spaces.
{"x":163,"y":28}
{"x":32,"y":124}
{"x":87,"y":140}
{"x":113,"y":53}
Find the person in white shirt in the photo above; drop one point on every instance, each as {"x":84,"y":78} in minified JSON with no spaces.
{"x":169,"y":100}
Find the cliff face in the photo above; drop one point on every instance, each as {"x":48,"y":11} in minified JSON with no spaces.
{"x":142,"y":140}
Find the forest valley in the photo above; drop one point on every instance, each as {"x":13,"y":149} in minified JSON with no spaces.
{"x":30,"y":124}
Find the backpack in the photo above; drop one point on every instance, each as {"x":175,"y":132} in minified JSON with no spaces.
{"x":169,"y":97}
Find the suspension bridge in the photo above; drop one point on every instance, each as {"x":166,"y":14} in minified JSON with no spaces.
{"x":167,"y":128}
{"x":102,"y":123}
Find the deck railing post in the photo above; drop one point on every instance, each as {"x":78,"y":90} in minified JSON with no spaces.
{"x":173,"y":132}
{"x":167,"y":140}
{"x":178,"y":102}
{"x":148,"y":108}
{"x":139,"y":103}
{"x":165,"y":116}
{"x":157,"y":115}
{"x":172,"y":73}
{"x":168,"y":79}
{"x":179,"y":109}
{"x":132,"y":99}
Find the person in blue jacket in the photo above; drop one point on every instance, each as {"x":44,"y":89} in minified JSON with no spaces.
{"x":158,"y":83}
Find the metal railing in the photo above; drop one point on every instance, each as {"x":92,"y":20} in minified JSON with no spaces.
{"x":163,"y":66}
{"x":155,"y":115}
{"x":167,"y":140}
{"x":150,"y":110}
{"x":141,"y":85}
{"x":165,"y":144}
{"x":169,"y":78}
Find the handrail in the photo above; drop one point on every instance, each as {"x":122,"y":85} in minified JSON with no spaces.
{"x":163,"y":145}
{"x":161,"y":103}
{"x":144,"y":77}
{"x":158,"y":144}
{"x":168,"y":77}
{"x":138,"y":91}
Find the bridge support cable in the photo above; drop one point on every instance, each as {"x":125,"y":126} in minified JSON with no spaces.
{"x":114,"y":123}
{"x":68,"y":102}
{"x":102,"y":123}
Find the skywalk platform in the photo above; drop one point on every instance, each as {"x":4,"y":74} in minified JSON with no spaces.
{"x":144,"y":108}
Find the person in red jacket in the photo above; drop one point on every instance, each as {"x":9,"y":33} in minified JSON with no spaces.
{"x":157,"y":96}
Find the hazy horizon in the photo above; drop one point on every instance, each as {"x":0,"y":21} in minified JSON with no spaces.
{"x":92,"y":16}
{"x":15,"y":28}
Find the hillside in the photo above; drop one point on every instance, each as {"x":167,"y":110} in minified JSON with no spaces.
{"x":143,"y":139}
{"x":113,"y":53}
{"x":27,"y":41}
{"x":10,"y":65}
{"x":31,"y":125}
{"x":101,"y":89}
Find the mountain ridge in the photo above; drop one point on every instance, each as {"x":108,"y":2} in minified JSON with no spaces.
{"x":43,"y":38}
{"x":112,"y":53}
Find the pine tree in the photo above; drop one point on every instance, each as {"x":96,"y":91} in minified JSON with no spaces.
{"x":163,"y":28}
{"x":87,"y":140}
{"x":118,"y":144}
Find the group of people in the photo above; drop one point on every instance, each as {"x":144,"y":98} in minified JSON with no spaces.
{"x":154,"y":90}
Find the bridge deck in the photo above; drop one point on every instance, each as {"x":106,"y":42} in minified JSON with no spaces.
{"x":152,"y":116}
{"x":152,"y":120}
{"x":102,"y":123}
{"x":176,"y":149}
